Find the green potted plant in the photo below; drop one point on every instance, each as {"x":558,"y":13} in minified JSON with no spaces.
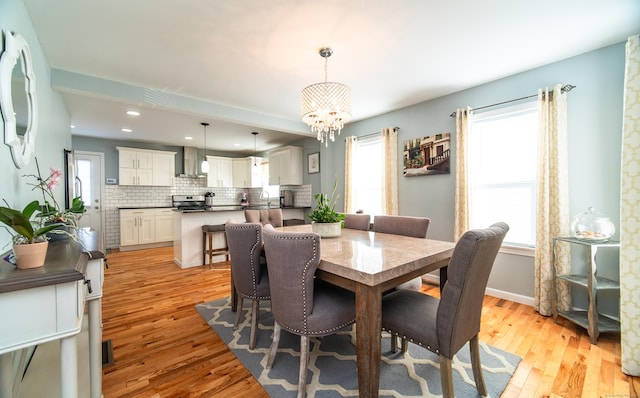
{"x":325,"y":220}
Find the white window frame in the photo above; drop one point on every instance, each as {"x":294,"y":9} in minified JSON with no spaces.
{"x":529,"y":170}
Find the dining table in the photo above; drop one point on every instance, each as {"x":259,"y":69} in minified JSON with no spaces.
{"x":370,"y":263}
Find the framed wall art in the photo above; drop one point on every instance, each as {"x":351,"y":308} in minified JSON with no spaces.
{"x":427,"y":155}
{"x":314,"y":162}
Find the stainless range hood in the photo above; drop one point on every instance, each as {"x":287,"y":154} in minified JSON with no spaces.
{"x":190,"y":157}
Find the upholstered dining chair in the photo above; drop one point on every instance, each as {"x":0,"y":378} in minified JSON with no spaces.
{"x":249,"y":275}
{"x":300,"y":303}
{"x":357,"y":221}
{"x":270,"y":216}
{"x":445,"y":325}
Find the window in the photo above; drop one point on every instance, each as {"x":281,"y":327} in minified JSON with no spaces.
{"x":84,"y":173}
{"x":502,"y":171}
{"x":367,"y":179}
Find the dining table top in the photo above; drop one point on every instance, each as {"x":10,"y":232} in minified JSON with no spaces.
{"x":373,"y":258}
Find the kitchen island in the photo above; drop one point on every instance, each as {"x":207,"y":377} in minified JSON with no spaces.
{"x":187,"y":230}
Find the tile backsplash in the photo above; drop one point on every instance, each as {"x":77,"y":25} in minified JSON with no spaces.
{"x":117,"y":196}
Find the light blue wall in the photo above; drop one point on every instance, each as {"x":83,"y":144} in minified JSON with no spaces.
{"x":594,"y":122}
{"x":53,"y":134}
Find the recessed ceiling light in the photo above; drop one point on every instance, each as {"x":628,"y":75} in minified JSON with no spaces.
{"x":188,"y":138}
{"x":73,"y":126}
{"x":133,"y":113}
{"x":126,"y":130}
{"x":236,"y":144}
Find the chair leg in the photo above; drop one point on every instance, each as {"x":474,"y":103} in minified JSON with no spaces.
{"x":234,"y":296}
{"x":304,"y":360}
{"x":274,"y":344}
{"x":474,"y":347}
{"x":405,"y":345}
{"x":255,"y":307}
{"x":446,"y":378}
{"x":238,"y":312}
{"x":210,"y":250}
{"x":394,"y":343}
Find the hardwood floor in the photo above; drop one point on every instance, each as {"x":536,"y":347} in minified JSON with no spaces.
{"x":163,"y":348}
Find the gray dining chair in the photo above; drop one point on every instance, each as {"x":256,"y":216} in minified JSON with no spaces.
{"x":357,"y":221}
{"x":300,"y":303}
{"x":445,"y":325}
{"x":248,"y":274}
{"x":264,"y":216}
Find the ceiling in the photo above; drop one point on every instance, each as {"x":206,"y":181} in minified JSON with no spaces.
{"x":241,"y":65}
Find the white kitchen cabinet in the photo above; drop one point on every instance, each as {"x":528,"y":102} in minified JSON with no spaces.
{"x":246,"y":172}
{"x":164,"y":166}
{"x":220,"y":172}
{"x":145,"y":167}
{"x":285,"y":166}
{"x":164,"y":225}
{"x":137,"y":226}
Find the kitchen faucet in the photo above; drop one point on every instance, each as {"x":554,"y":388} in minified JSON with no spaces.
{"x":262,"y":196}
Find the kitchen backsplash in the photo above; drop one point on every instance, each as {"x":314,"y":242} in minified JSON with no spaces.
{"x":118,"y":196}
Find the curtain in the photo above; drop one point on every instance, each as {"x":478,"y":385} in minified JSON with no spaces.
{"x":351,"y":148}
{"x":629,"y":216}
{"x":461,"y":221}
{"x":390,"y":172}
{"x":552,"y":212}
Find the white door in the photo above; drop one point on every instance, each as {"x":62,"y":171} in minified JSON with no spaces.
{"x":89,"y":167}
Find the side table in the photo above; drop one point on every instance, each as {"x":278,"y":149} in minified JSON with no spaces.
{"x":591,"y":319}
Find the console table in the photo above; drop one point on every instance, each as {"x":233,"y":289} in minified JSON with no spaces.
{"x":47,"y":303}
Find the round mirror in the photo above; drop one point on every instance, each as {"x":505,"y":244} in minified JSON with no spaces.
{"x":18,"y":98}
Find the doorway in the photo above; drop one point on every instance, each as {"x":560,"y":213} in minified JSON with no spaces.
{"x":88,"y":184}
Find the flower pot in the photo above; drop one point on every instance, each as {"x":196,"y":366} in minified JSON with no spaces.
{"x":54,"y":236}
{"x":327,"y":230}
{"x":30,"y":255}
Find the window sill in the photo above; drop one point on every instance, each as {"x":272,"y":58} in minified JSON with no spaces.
{"x":518,"y":250}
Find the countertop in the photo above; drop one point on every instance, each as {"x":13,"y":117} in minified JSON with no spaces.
{"x":237,"y":208}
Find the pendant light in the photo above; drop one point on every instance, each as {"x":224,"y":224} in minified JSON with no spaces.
{"x":255,"y":150}
{"x":204,"y":166}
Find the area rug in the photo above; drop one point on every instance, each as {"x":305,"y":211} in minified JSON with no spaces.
{"x":332,"y":361}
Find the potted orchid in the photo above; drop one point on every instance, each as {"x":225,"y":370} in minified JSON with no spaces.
{"x":31,"y":227}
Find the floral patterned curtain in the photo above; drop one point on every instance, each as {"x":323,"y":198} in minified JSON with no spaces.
{"x":629,"y":216}
{"x":552,"y":213}
{"x":390,"y":172}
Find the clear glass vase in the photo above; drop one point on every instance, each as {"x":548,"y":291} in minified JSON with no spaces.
{"x":592,"y":226}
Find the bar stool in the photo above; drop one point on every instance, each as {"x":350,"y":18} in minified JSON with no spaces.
{"x":208,"y":231}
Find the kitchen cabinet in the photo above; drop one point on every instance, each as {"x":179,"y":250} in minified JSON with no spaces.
{"x":220,"y":172}
{"x":164,"y":168}
{"x":245,"y":174}
{"x":145,"y":167}
{"x":285,"y":166}
{"x":164,"y":225}
{"x":592,"y":319}
{"x":137,"y":227}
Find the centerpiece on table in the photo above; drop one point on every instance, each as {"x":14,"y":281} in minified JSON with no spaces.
{"x":32,"y":227}
{"x":325,"y":220}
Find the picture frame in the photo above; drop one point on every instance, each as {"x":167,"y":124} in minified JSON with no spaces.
{"x":313,"y":163}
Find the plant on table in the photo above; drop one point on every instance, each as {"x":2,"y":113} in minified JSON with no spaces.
{"x":324,"y":211}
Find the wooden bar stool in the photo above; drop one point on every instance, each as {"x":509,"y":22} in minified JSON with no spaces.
{"x":208,"y":231}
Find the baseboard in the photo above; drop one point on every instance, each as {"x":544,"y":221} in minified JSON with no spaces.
{"x":501,"y":294}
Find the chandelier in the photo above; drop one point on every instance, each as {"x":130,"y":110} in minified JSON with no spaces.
{"x":326,"y":107}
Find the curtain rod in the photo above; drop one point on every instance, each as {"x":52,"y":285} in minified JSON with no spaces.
{"x":372,"y":134}
{"x":565,"y":89}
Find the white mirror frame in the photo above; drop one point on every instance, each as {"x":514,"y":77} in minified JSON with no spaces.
{"x":22,"y":147}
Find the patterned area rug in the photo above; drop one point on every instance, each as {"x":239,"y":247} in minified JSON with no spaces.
{"x":332,"y":365}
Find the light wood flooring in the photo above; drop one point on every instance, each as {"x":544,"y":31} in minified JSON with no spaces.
{"x":163,"y":348}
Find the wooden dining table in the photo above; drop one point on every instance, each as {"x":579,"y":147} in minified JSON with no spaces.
{"x":370,"y":263}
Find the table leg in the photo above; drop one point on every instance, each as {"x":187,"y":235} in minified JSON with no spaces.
{"x":368,"y":328}
{"x":69,"y":366}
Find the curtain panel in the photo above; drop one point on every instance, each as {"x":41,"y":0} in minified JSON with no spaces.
{"x":552,"y":212}
{"x":350,"y":156}
{"x":461,"y":204}
{"x":390,"y":172}
{"x":629,"y":216}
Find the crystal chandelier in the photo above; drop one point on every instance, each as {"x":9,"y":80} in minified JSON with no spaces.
{"x":326,"y":107}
